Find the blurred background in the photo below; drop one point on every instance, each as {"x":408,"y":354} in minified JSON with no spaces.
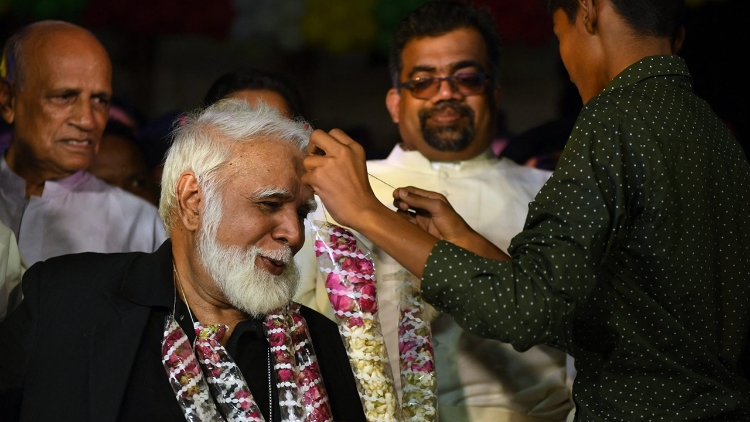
{"x":166,"y":53}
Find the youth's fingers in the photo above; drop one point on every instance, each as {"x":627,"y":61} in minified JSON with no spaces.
{"x":407,"y":215}
{"x":341,"y":137}
{"x":398,"y":193}
{"x":434,"y":205}
{"x":321,"y":143}
{"x":311,"y":162}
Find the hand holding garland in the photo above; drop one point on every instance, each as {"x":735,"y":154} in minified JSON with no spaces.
{"x":337,"y":172}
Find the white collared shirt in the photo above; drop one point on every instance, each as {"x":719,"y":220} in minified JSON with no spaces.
{"x":79,"y":213}
{"x":478,"y":379}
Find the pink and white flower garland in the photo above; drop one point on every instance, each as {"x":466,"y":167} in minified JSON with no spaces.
{"x":301,"y":392}
{"x":416,"y":355}
{"x":350,"y":284}
{"x":309,"y":381}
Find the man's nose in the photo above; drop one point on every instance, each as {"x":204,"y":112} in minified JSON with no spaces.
{"x":83,"y":115}
{"x":446,"y":91}
{"x":290,"y":230}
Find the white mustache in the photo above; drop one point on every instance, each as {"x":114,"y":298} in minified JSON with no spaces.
{"x":283,"y":255}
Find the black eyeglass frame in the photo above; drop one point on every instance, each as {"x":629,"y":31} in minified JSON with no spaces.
{"x":435,"y":81}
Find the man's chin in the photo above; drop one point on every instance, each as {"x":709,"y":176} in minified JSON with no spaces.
{"x":448,"y":144}
{"x":263,"y":292}
{"x":448,"y":138}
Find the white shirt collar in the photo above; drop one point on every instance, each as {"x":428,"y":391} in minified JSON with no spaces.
{"x":15,"y":185}
{"x":414,"y":160}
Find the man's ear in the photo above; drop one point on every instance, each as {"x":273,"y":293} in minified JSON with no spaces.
{"x":189,"y":200}
{"x":587,"y":12}
{"x":7,"y":101}
{"x":677,"y":45}
{"x":393,"y":103}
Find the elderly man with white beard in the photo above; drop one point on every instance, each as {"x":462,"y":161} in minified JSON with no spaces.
{"x":203,"y":328}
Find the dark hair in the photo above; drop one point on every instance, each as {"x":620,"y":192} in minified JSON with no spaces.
{"x":13,"y":58}
{"x":252,"y":78}
{"x":656,"y":18}
{"x":438,"y":18}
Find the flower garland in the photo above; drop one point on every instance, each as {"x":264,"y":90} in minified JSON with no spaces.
{"x":296,"y":369}
{"x":298,"y":376}
{"x":350,"y":284}
{"x":416,"y":355}
{"x":310,"y":383}
{"x":224,"y":378}
{"x":185,"y":375}
{"x":280,"y":340}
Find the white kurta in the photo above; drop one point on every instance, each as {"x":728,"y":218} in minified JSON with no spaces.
{"x":79,"y":213}
{"x":478,"y":379}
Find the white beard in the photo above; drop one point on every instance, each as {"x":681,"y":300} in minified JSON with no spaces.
{"x":248,"y":288}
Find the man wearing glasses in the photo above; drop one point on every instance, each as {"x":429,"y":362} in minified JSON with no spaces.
{"x":444,"y":65}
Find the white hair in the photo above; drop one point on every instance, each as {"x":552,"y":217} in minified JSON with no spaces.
{"x":203,"y":142}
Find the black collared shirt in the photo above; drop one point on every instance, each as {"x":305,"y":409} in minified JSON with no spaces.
{"x":149,"y":397}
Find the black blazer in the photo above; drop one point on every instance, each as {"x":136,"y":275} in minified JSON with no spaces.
{"x":67,"y":351}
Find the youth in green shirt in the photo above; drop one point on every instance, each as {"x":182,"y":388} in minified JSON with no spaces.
{"x":635,"y":257}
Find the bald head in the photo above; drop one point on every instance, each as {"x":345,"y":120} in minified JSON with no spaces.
{"x":41,"y":37}
{"x":56,"y":96}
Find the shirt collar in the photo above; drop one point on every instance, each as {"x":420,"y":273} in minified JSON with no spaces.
{"x":414,"y":160}
{"x":12,"y":182}
{"x":649,"y":67}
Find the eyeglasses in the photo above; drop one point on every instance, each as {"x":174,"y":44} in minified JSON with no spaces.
{"x":425,"y":87}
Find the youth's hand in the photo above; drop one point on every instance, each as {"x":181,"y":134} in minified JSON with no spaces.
{"x":433,"y":213}
{"x":337,"y":172}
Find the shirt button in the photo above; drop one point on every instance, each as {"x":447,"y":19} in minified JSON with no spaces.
{"x":443,"y":174}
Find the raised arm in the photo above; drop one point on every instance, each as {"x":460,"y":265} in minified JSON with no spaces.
{"x":337,"y":173}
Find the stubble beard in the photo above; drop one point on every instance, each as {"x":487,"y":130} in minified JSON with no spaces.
{"x":456,"y":137}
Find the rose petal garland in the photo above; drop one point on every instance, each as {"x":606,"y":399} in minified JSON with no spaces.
{"x":310,"y":382}
{"x":416,"y":355}
{"x":224,"y":378}
{"x":282,"y":352}
{"x":350,"y":283}
{"x":185,"y":376}
{"x":208,"y":373}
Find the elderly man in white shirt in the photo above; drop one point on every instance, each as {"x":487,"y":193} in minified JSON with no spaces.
{"x":55,"y":92}
{"x":444,"y":65}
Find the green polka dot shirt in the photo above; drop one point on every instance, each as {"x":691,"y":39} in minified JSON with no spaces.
{"x":635,"y":258}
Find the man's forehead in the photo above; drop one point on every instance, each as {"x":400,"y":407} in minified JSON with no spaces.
{"x":445,"y":52}
{"x":65,"y":52}
{"x":266,"y":165}
{"x":265,"y":152}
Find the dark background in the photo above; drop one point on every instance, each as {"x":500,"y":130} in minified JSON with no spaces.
{"x":166,"y":53}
